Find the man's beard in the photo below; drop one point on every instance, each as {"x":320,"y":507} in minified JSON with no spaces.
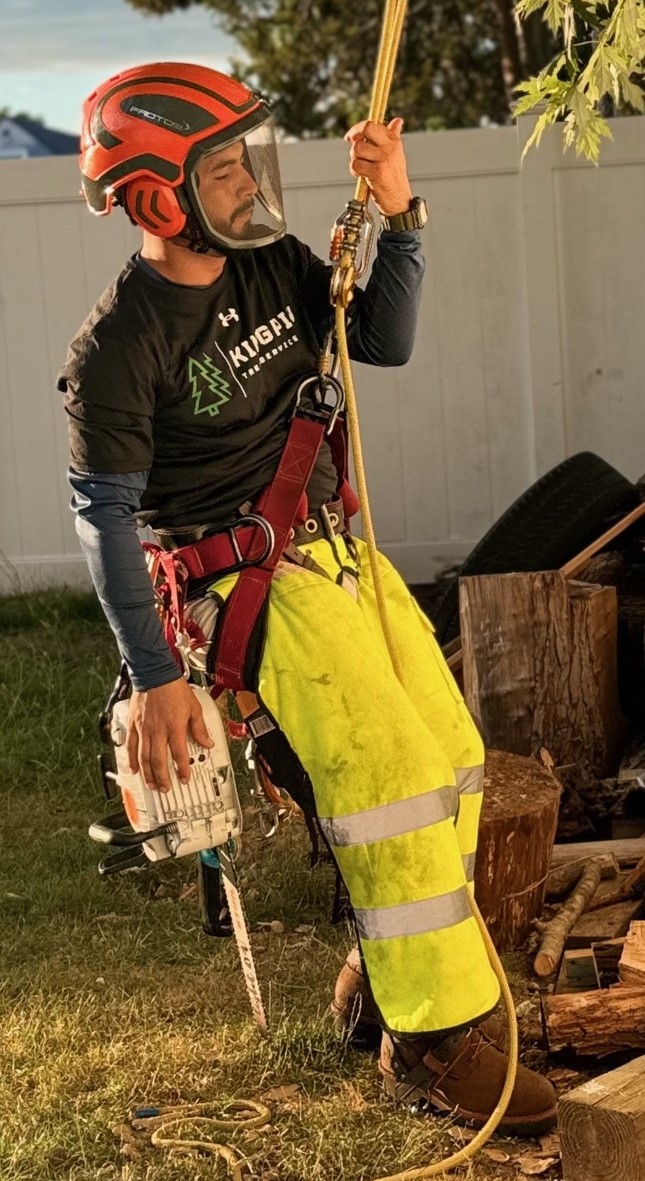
{"x":193,"y":238}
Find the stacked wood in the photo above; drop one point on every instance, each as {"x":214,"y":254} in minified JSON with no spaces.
{"x":599,"y":1003}
{"x":517,"y":829}
{"x":602,"y":1127}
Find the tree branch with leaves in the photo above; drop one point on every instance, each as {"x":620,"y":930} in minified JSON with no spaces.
{"x":602,"y":56}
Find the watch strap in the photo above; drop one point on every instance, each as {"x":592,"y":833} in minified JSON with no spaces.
{"x":413,"y":218}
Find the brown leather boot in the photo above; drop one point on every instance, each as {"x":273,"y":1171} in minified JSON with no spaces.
{"x":354,"y":1013}
{"x":463,"y":1076}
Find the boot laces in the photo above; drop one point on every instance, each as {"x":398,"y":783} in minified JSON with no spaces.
{"x":476,"y":1040}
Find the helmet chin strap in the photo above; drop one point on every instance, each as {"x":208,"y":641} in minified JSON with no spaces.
{"x":201,"y":246}
{"x":192,"y":236}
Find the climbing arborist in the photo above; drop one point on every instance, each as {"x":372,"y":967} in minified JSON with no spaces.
{"x":182,"y":389}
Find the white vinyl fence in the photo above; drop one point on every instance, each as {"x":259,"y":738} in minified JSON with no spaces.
{"x":531,"y":343}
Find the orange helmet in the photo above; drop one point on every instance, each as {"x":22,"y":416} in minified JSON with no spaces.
{"x":188,"y":151}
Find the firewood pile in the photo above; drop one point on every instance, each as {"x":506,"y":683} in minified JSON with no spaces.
{"x":552,"y":666}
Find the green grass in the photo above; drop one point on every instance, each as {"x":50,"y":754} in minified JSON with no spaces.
{"x":110,"y":995}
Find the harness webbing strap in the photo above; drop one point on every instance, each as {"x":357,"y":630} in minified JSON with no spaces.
{"x":221,"y":552}
{"x":278,"y":504}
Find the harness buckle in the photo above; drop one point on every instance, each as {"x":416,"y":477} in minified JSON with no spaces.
{"x":329,"y":400}
{"x":269,"y":539}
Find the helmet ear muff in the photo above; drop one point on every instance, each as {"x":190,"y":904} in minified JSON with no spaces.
{"x":155,"y":207}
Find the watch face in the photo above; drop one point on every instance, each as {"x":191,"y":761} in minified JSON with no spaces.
{"x":419,"y":210}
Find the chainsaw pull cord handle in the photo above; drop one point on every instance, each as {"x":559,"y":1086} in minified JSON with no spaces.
{"x":341,"y":296}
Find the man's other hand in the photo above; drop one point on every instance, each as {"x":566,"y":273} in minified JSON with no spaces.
{"x":377,"y":154}
{"x":159,"y":720}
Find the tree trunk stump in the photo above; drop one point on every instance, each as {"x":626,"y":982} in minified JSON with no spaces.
{"x":539,"y":659}
{"x":516,"y":835}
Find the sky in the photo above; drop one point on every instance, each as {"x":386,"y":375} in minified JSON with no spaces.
{"x":54,"y":52}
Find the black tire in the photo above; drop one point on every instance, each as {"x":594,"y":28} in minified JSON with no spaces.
{"x":550,"y":523}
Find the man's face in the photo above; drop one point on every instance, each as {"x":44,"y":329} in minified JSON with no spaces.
{"x":227,"y":191}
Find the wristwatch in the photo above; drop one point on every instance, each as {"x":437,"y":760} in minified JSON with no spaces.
{"x":414,"y":218}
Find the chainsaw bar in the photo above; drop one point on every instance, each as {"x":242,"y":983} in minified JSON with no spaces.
{"x":241,"y":932}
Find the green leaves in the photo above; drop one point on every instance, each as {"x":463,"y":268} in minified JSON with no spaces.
{"x":554,"y":14}
{"x":604,"y":52}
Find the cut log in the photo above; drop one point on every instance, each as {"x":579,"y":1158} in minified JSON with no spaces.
{"x":631,"y":968}
{"x":516,"y":832}
{"x":554,"y":934}
{"x":562,"y":880}
{"x":598,"y":1023}
{"x":539,"y":659}
{"x":626,"y":852}
{"x":453,"y":651}
{"x":602,"y":1127}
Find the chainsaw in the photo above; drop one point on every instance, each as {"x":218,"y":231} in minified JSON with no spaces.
{"x":201,"y":817}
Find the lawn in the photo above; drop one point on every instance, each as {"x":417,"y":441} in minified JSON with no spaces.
{"x":112,"y":998}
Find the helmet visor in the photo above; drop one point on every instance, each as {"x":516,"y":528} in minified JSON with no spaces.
{"x":236,"y":190}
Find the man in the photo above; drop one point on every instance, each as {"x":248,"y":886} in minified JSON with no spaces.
{"x":180,"y":389}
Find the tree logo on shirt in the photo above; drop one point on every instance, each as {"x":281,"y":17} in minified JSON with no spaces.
{"x":209,"y":388}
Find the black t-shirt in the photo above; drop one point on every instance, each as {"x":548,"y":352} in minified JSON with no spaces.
{"x":195,"y":384}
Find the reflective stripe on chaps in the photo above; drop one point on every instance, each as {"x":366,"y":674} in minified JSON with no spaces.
{"x":391,"y":820}
{"x":415,"y":918}
{"x":470,"y":781}
{"x":469,"y":865}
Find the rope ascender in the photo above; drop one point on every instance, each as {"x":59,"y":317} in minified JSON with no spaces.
{"x":348,"y":234}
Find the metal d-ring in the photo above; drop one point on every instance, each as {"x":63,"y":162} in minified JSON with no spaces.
{"x":322,"y":408}
{"x":269,"y":537}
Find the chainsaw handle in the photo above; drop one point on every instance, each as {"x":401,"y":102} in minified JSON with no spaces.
{"x":112,"y":831}
{"x":133,"y":858}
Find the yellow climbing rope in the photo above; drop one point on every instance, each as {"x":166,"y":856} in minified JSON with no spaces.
{"x":249,"y":1114}
{"x":342,"y":291}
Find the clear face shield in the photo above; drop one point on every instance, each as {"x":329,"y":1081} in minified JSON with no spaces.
{"x":236,"y":190}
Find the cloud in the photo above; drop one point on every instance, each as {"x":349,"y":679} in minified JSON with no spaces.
{"x":74,"y":34}
{"x":54,"y":52}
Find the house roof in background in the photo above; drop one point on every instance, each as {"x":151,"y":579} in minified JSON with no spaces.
{"x":58,"y":143}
